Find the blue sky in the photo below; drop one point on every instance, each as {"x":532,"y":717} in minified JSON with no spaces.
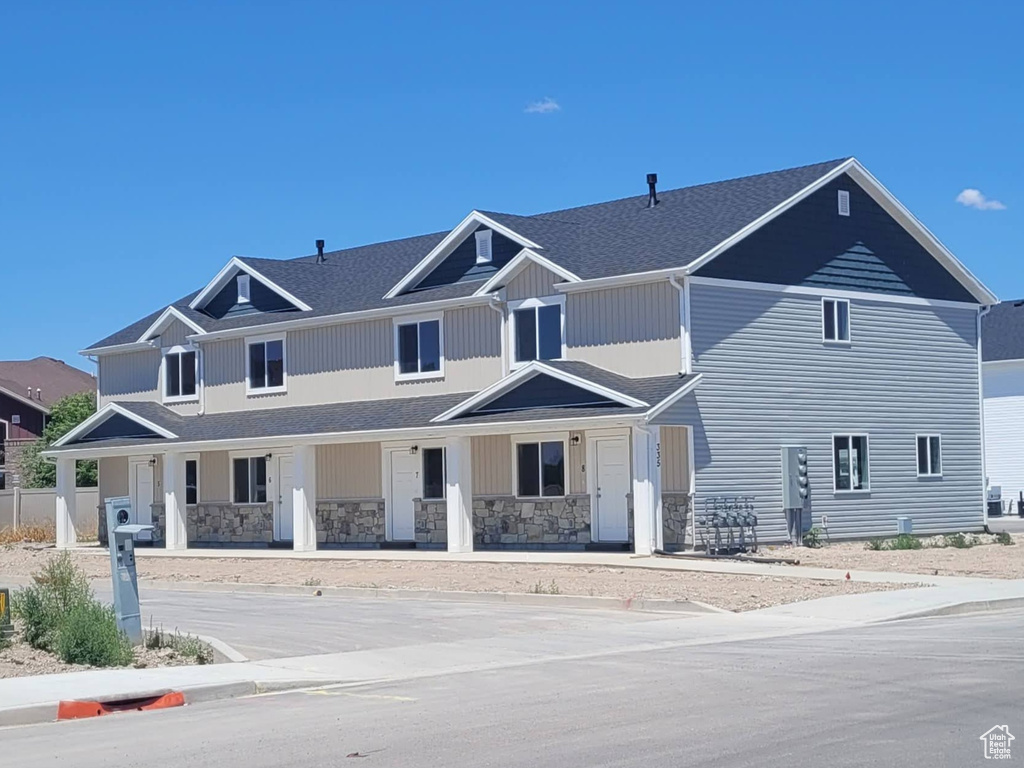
{"x":143,"y":144}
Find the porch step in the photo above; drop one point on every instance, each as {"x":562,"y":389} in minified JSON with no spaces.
{"x":608,"y":546}
{"x":398,"y":545}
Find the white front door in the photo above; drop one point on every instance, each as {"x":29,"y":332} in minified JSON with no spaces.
{"x":405,"y":486}
{"x":613,"y":484}
{"x":142,"y":496}
{"x":284,"y":520}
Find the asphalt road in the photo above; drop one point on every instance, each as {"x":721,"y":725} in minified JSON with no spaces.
{"x":271,"y":626}
{"x":916,"y":693}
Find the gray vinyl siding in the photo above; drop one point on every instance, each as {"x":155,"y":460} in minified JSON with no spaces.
{"x":532,"y":282}
{"x":770,"y":381}
{"x":632,"y":330}
{"x":355,"y":361}
{"x":176,"y":333}
{"x":130,"y":376}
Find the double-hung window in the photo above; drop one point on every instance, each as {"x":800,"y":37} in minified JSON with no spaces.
{"x":179,"y":369}
{"x":433,"y":473}
{"x":540,"y":468}
{"x":538,"y":329}
{"x":192,"y":481}
{"x":850,"y":462}
{"x":835,"y":320}
{"x":265,"y":366}
{"x":929,"y":455}
{"x":419,"y":348}
{"x":249,"y":480}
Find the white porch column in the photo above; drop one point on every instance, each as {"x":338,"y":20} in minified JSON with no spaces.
{"x":304,"y":498}
{"x":175,"y":535}
{"x":647,"y":510}
{"x":459,"y":493}
{"x":65,"y":503}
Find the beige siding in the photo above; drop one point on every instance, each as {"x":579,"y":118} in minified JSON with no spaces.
{"x":633,"y":330}
{"x":175,"y":334}
{"x":349,"y":471}
{"x":130,"y":376}
{"x":113,"y":477}
{"x":492,"y":465}
{"x":532,"y":282}
{"x":576,"y":462}
{"x":214,"y":476}
{"x":355,"y":361}
{"x":675,"y":460}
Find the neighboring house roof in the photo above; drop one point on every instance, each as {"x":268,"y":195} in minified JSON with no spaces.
{"x":1002,"y":332}
{"x":49,"y":380}
{"x":591,"y":242}
{"x":360,"y":416}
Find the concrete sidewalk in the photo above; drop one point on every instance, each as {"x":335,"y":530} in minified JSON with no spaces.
{"x":34,"y":699}
{"x":607,"y":559}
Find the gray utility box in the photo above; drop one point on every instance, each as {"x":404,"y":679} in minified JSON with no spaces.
{"x":796,"y":491}
{"x":121,"y":537}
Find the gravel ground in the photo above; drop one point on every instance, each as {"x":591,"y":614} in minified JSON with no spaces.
{"x":22,"y":660}
{"x":735,"y":593}
{"x":988,"y":561}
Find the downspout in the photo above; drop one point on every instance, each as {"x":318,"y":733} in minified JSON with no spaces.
{"x":684,"y":326}
{"x":981,"y":415}
{"x":497,"y":305}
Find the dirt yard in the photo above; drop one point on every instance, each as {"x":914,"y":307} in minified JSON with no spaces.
{"x":734,"y":593}
{"x":985,"y":561}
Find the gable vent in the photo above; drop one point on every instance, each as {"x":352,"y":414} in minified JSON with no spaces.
{"x":844,"y":203}
{"x":243,"y":289}
{"x":483,"y":246}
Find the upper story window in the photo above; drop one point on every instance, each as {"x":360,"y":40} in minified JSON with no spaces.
{"x":179,"y":374}
{"x":483,"y":246}
{"x":244,"y":296}
{"x":537,"y":329}
{"x":419,"y":348}
{"x":850,"y":462}
{"x":929,"y":455}
{"x":265,"y":365}
{"x":835,"y":320}
{"x":540,"y":467}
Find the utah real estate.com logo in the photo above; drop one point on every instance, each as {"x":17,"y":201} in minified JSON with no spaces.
{"x":997,"y":742}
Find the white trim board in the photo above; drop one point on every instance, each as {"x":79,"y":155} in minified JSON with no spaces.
{"x":524,"y":374}
{"x":106,"y":412}
{"x":523,"y":259}
{"x":450,"y":242}
{"x":221,"y":279}
{"x":171,"y":313}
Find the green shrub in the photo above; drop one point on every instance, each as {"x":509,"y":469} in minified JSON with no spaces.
{"x":959,"y":541}
{"x":875,"y":545}
{"x":60,"y":587}
{"x":1005,"y":539}
{"x":812,"y":538}
{"x":89,"y":635}
{"x":904,"y":541}
{"x":187,"y":646}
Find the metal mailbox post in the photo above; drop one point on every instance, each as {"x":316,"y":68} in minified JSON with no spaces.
{"x":122,"y":566}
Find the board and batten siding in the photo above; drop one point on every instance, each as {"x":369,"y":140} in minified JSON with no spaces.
{"x":129,"y":376}
{"x":493,"y":455}
{"x":175,"y":334}
{"x":675,"y":460}
{"x":355,"y":361}
{"x":214,"y":476}
{"x":532,"y":282}
{"x":770,"y":381}
{"x":348,"y":471}
{"x":112,"y":477}
{"x":632,"y":330}
{"x":1003,"y":386}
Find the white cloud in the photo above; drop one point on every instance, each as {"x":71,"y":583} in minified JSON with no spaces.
{"x":973,"y":198}
{"x":542,"y":107}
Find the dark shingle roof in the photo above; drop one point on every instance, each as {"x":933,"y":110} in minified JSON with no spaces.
{"x":1002,"y":332}
{"x":52,"y":378}
{"x":601,"y":240}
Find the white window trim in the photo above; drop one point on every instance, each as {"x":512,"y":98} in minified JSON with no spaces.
{"x":533,"y":303}
{"x":832,"y":449}
{"x":195,"y":457}
{"x":416,"y":320}
{"x":835,"y":321}
{"x":488,"y":236}
{"x":164,"y":397}
{"x":232,"y":455}
{"x":250,"y":391}
{"x":243,"y":284}
{"x":929,"y":436}
{"x":541,"y":437}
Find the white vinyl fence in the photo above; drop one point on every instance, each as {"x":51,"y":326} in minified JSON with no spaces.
{"x":37,"y":506}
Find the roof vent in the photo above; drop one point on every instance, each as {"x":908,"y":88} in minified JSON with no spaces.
{"x":483,"y":246}
{"x":652,"y":186}
{"x":844,"y":203}
{"x":243,"y":288}
{"x":320,"y":252}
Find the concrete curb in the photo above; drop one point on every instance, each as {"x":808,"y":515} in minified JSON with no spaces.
{"x":34,"y":714}
{"x":509,"y":598}
{"x":993,"y":605}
